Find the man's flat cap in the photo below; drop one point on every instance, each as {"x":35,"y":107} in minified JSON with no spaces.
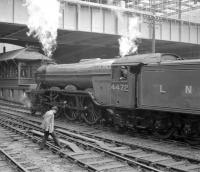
{"x":55,"y":108}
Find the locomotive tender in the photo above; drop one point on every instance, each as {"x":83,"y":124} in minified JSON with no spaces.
{"x":156,"y":92}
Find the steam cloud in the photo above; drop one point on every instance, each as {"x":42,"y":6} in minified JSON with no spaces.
{"x":127,"y":43}
{"x":110,"y":1}
{"x":25,"y":101}
{"x":43,"y":22}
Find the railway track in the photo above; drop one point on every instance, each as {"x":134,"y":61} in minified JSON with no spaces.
{"x":12,"y":160}
{"x":96,"y":129}
{"x":12,"y":104}
{"x":148,"y":156}
{"x":86,"y":155}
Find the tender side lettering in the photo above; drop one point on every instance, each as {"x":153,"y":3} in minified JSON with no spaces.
{"x":188,"y":89}
{"x":162,"y":90}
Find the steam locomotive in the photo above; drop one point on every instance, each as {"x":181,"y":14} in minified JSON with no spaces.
{"x":156,"y":92}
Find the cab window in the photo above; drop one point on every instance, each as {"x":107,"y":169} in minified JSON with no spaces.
{"x":123,"y":73}
{"x":120,"y":73}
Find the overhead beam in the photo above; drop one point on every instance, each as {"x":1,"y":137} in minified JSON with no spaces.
{"x":105,"y":22}
{"x":183,"y":11}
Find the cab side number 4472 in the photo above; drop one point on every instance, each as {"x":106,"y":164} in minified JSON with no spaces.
{"x":121,"y":87}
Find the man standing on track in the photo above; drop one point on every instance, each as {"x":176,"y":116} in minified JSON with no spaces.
{"x":48,"y":126}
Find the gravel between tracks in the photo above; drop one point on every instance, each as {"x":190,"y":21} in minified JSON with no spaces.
{"x":45,"y":160}
{"x":127,"y":138}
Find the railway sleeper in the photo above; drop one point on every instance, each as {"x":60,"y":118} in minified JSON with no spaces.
{"x":80,"y":159}
{"x":161,"y":124}
{"x":173,"y":163}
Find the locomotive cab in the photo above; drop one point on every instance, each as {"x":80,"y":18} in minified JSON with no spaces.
{"x":123,"y":86}
{"x":125,"y":75}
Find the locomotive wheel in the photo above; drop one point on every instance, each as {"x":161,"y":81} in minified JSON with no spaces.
{"x":163,"y":128}
{"x":190,"y":132}
{"x":119,"y":129}
{"x":92,"y":114}
{"x":71,"y":114}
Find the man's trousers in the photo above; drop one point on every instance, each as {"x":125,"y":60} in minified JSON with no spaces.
{"x":46,"y":135}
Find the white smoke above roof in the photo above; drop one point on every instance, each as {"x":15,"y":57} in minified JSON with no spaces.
{"x":43,"y":22}
{"x":127,"y":43}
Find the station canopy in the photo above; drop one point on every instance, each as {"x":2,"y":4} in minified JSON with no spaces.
{"x":76,"y":45}
{"x":178,"y":9}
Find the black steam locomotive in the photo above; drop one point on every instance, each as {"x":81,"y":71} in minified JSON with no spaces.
{"x":155,"y":92}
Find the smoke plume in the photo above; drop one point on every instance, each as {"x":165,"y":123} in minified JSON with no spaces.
{"x":43,"y":22}
{"x":127,"y":43}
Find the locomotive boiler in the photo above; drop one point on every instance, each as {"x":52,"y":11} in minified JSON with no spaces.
{"x":78,"y":74}
{"x":156,"y":92}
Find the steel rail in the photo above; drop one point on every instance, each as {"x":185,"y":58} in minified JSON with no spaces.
{"x":130,"y":162}
{"x":168,"y":141}
{"x":120,"y":155}
{"x":127,"y":160}
{"x":179,"y":143}
{"x":10,"y":159}
{"x":138,"y":159}
{"x":131,"y":145}
{"x":119,"y":143}
{"x":51,"y":146}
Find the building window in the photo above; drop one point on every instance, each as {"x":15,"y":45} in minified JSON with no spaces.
{"x":12,"y":71}
{"x":16,"y":72}
{"x":24,"y":92}
{"x":31,"y":72}
{"x":11,"y":93}
{"x":1,"y":70}
{"x":1,"y":92}
{"x":23,"y":73}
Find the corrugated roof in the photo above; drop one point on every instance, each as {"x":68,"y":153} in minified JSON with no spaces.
{"x":23,"y":54}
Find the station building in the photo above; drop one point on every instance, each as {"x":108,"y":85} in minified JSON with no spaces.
{"x":17,"y":69}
